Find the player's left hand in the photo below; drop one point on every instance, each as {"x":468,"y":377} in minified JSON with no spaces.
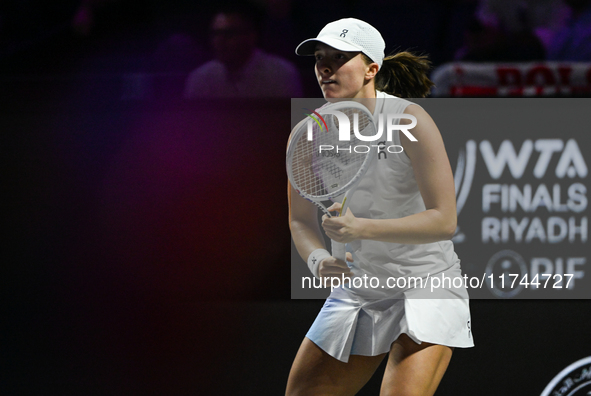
{"x":344,"y":228}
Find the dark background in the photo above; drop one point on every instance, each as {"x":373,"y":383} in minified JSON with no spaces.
{"x":138,"y":259}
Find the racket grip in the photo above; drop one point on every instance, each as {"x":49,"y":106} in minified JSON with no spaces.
{"x":338,"y":250}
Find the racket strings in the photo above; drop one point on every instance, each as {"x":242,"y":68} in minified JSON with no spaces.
{"x":302,"y":168}
{"x":347,"y":159}
{"x":324,"y":166}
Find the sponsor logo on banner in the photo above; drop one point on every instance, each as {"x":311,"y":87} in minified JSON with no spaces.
{"x":533,"y":193}
{"x":519,"y":79}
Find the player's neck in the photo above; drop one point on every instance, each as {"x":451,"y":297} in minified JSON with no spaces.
{"x":367,"y":97}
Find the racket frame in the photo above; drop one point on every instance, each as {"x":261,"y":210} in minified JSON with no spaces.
{"x":338,"y":249}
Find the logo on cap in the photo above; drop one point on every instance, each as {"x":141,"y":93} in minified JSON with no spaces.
{"x":344,"y":32}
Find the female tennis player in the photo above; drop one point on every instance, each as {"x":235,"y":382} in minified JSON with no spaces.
{"x":398,"y":226}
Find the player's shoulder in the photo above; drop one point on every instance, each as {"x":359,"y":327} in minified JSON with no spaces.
{"x":395,"y":104}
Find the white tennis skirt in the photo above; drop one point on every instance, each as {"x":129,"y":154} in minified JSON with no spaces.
{"x":351,"y":326}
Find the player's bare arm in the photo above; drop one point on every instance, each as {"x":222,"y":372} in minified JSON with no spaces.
{"x":435,"y":181}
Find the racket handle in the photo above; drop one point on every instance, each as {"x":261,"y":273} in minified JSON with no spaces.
{"x":338,"y":250}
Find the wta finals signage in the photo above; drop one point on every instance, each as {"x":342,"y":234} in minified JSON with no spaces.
{"x":521,"y":188}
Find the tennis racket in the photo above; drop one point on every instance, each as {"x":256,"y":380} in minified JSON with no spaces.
{"x":320,"y":166}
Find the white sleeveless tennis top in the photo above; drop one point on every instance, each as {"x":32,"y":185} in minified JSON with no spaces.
{"x":367,"y":320}
{"x":389,"y":190}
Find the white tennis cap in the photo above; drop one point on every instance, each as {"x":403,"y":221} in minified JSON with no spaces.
{"x":348,"y":34}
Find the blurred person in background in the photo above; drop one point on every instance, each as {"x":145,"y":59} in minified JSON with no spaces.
{"x":510,"y":30}
{"x":240,"y":68}
{"x":572,"y":41}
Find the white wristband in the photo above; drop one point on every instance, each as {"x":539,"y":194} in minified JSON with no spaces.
{"x":315,"y":258}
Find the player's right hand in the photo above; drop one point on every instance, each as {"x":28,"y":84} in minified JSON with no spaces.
{"x":332,"y":267}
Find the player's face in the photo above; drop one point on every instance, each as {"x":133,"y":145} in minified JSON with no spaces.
{"x":341,"y":74}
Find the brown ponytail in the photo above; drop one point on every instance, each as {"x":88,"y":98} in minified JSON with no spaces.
{"x":404,"y":75}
